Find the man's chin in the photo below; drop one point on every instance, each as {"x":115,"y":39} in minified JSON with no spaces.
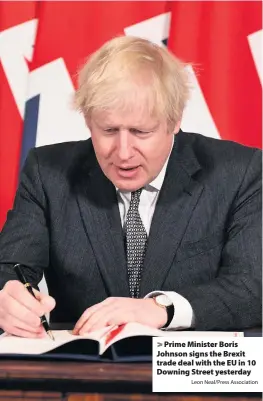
{"x":128,"y":185}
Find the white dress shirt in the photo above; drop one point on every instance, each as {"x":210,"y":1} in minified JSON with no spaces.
{"x":183,"y":312}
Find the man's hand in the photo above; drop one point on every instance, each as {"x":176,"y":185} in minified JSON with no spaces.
{"x":116,"y":311}
{"x":20,"y":312}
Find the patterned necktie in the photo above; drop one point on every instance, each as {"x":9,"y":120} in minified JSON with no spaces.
{"x":136,"y":241}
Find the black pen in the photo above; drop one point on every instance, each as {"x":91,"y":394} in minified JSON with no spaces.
{"x":28,"y":286}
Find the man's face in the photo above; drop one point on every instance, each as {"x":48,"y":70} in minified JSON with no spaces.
{"x":131,"y":147}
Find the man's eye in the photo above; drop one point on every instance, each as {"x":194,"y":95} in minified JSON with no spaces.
{"x":137,"y":131}
{"x":111,"y":130}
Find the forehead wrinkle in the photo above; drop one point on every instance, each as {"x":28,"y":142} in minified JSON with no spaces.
{"x":116,"y":119}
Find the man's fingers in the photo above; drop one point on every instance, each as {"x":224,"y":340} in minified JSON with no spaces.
{"x":22,"y":313}
{"x":109,"y":314}
{"x":98,"y":315}
{"x":19,"y":303}
{"x":117,"y":311}
{"x":104,"y":307}
{"x":47,"y":301}
{"x":17,"y":291}
{"x":12,"y":321}
{"x":23,"y":333}
{"x":97,"y":324}
{"x":40,"y":305}
{"x":86,"y":315}
{"x":113,"y":318}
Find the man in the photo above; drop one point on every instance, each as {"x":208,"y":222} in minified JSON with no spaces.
{"x":140,"y":210}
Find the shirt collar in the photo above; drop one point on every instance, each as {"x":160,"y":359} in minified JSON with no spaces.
{"x":157,"y":183}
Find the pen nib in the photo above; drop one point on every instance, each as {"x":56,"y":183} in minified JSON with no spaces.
{"x":51,"y":335}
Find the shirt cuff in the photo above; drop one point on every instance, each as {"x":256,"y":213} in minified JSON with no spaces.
{"x":183,"y":312}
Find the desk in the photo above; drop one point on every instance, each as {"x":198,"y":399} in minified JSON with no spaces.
{"x":82,"y":381}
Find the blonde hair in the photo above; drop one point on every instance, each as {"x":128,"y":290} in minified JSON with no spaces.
{"x":128,"y":71}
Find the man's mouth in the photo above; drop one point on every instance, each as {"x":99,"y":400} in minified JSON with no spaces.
{"x":128,"y":172}
{"x":128,"y":168}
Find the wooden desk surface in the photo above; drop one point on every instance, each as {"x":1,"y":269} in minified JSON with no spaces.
{"x":82,"y":381}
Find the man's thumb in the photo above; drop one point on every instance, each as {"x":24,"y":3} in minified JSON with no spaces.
{"x":47,"y":301}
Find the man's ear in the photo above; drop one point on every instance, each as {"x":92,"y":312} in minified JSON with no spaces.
{"x":176,"y":127}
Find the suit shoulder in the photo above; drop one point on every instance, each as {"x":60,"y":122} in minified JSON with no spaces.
{"x":59,"y":157}
{"x":62,"y":153}
{"x":213,"y":152}
{"x":58,"y":161}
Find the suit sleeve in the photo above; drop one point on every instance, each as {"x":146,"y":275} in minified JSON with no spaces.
{"x":24,"y":238}
{"x":233,"y":299}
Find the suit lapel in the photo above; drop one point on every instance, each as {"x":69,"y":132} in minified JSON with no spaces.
{"x":177,"y":199}
{"x":99,"y":210}
{"x":97,"y":201}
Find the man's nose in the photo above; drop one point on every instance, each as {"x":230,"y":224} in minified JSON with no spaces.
{"x":125,"y":148}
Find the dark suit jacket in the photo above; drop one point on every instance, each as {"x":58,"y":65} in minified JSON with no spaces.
{"x":204,"y":242}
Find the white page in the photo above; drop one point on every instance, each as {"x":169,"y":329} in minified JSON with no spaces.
{"x":137,"y":329}
{"x":107,"y":336}
{"x":18,"y":345}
